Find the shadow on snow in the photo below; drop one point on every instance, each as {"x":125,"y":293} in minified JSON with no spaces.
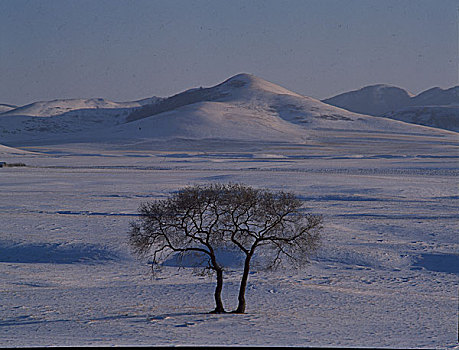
{"x":439,"y":262}
{"x":54,"y":253}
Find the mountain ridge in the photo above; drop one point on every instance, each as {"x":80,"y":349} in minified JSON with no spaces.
{"x":243,"y":108}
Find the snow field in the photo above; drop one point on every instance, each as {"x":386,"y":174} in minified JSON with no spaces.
{"x":382,"y":277}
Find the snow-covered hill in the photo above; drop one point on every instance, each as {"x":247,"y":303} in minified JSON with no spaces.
{"x":258,"y":96}
{"x":246,"y":99}
{"x":435,"y":107}
{"x":10,"y":151}
{"x":6,"y":107}
{"x":437,"y":97}
{"x":59,"y":107}
{"x":372,"y":100}
{"x":59,"y":119}
{"x":243,"y":107}
{"x":381,"y":99}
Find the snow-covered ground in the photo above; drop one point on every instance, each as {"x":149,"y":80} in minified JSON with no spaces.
{"x":386,"y":275}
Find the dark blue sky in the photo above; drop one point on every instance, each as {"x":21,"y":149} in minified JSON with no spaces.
{"x":125,"y":50}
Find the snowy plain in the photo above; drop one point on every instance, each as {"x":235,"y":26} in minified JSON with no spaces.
{"x":385,"y":276}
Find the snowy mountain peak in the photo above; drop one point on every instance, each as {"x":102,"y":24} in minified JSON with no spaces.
{"x":386,"y":91}
{"x":380,"y":87}
{"x":251,"y":82}
{"x":241,"y":78}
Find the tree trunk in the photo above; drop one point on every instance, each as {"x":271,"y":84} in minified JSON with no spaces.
{"x":218,"y":293}
{"x":245,"y":275}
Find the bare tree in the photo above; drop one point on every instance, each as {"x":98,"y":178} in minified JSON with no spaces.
{"x":201,"y":219}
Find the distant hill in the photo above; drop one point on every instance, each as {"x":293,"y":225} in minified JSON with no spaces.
{"x":435,"y":107}
{"x":5,"y":107}
{"x":372,"y":100}
{"x":58,"y":107}
{"x":437,"y":97}
{"x":9,"y":151}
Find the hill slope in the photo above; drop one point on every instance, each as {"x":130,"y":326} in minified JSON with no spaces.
{"x":443,"y":117}
{"x":8,"y":151}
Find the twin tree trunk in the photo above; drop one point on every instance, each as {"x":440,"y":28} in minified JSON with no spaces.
{"x":243,"y":286}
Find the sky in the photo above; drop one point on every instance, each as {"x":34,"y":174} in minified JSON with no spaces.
{"x":125,"y":50}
